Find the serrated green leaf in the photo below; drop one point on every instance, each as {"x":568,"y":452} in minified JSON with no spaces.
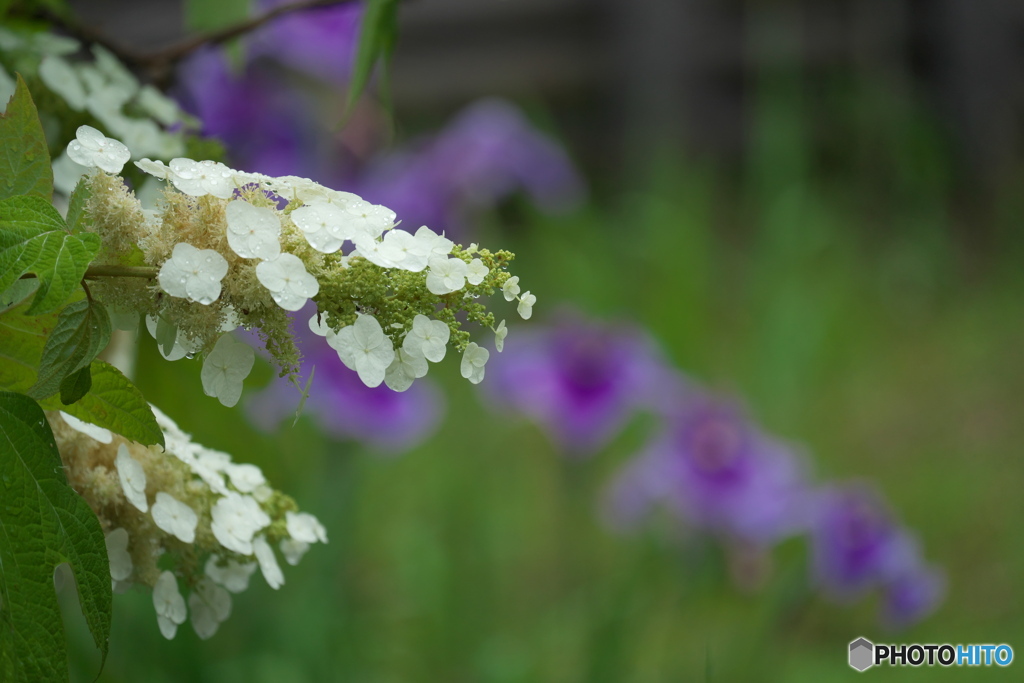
{"x":24,"y":157}
{"x":81,"y":333}
{"x":25,"y":216}
{"x":35,"y":240}
{"x":76,"y":206}
{"x":377,"y":34}
{"x":75,"y":386}
{"x":22,"y":338}
{"x":17,"y":293}
{"x":115,"y":403}
{"x":43,"y":523}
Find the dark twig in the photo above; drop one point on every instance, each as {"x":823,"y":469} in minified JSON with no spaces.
{"x":177,"y":52}
{"x":93,"y":272}
{"x":158,"y":64}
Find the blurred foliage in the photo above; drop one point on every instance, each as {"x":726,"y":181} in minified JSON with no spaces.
{"x":830,"y":285}
{"x":202,"y":16}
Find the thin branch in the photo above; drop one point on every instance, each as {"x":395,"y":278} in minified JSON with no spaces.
{"x":148,"y":272}
{"x":177,"y":52}
{"x":158,"y":63}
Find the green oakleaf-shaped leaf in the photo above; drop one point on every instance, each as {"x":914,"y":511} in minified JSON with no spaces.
{"x":76,"y":205}
{"x":17,"y":293}
{"x":113,"y":401}
{"x":22,"y":338}
{"x":43,"y":523}
{"x":35,"y":240}
{"x":24,"y":157}
{"x":81,"y":333}
{"x":75,"y":386}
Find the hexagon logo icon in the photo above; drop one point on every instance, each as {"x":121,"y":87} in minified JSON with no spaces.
{"x":862,"y":654}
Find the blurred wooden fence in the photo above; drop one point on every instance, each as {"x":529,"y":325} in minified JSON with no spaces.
{"x":620,"y":70}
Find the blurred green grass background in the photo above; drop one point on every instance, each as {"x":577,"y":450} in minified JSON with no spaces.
{"x":846,"y":288}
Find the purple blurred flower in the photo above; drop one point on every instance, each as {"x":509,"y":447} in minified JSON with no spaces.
{"x":718,"y":472}
{"x":581,"y":381}
{"x":913,"y":594}
{"x":857,"y":546}
{"x":320,"y":42}
{"x":855,"y":542}
{"x":486,"y":154}
{"x":489,"y":151}
{"x":266,"y":125}
{"x":343,"y":405}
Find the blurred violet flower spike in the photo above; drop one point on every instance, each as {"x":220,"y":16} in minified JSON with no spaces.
{"x":854,"y":538}
{"x":856,"y":546}
{"x":266,"y":125}
{"x":489,"y":151}
{"x":730,"y":477}
{"x":717,"y":472}
{"x":343,"y":405}
{"x":913,"y":595}
{"x":580,"y":381}
{"x":319,"y":41}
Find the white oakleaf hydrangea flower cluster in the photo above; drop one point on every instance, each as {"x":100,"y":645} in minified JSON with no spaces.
{"x":233,"y":249}
{"x":183,"y":516}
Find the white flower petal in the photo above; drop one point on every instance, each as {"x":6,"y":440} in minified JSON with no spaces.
{"x":446,"y":275}
{"x":174,"y":517}
{"x":253,"y":231}
{"x":117,"y":555}
{"x":59,"y":77}
{"x":193,"y":273}
{"x":133,"y":478}
{"x":234,"y":576}
{"x":245,"y":477}
{"x":169,"y":605}
{"x":476,"y":271}
{"x":511,"y":288}
{"x":200,"y":178}
{"x":499,"y":336}
{"x":428,"y":338}
{"x":225,"y":369}
{"x":287,"y":280}
{"x":404,"y":369}
{"x":304,"y":527}
{"x":268,"y":562}
{"x":526,"y":303}
{"x":92,"y":431}
{"x":293,"y":550}
{"x":473,"y":361}
{"x":92,"y":148}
